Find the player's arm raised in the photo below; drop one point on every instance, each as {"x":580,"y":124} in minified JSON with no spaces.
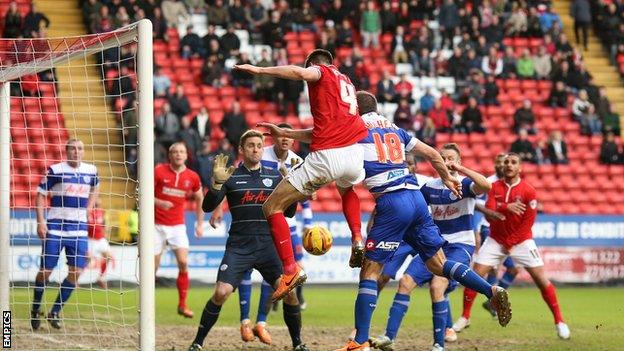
{"x":437,"y":162}
{"x":220,"y":174}
{"x":304,"y":135}
{"x":292,"y":72}
{"x":481,"y":184}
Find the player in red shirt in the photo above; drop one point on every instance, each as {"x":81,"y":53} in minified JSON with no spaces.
{"x":516,"y":202}
{"x":335,"y":156}
{"x":174,"y":184}
{"x":99,"y":249}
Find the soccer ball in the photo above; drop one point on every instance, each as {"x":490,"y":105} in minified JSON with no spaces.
{"x":317,"y":240}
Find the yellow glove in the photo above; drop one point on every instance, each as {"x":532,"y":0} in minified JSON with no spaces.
{"x":220,"y":172}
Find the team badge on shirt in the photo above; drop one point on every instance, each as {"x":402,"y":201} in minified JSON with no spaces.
{"x":267,"y":182}
{"x":533,"y":204}
{"x":87,"y":179}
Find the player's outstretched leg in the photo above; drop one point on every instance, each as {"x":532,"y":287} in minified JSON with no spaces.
{"x":244,"y":300}
{"x":351,"y":211}
{"x":283,"y":196}
{"x":472,"y":279}
{"x":549,"y":294}
{"x":260,"y":329}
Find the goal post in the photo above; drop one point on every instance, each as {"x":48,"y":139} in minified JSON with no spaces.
{"x":28,"y":57}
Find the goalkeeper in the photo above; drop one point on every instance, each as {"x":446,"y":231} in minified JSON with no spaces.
{"x":250,"y":244}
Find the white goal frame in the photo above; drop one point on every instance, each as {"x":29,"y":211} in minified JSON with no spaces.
{"x":141,"y":32}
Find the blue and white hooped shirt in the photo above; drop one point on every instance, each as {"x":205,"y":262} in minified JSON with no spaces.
{"x":69,"y":188}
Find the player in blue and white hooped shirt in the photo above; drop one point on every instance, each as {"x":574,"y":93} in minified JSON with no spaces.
{"x":404,"y":254}
{"x":73,"y":188}
{"x":401,"y":213}
{"x":454,"y":216}
{"x":276,"y":156}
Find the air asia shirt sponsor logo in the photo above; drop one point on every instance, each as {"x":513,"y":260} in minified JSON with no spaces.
{"x":250,"y":197}
{"x":442,"y":212}
{"x":382,"y":245}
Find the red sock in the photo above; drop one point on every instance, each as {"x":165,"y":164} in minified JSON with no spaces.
{"x":183,"y":284}
{"x":550,"y":296}
{"x":281,"y":239}
{"x":469,"y":297}
{"x":351,"y":210}
{"x":103,"y":266}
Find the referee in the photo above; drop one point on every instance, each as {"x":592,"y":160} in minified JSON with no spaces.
{"x":249,"y":244}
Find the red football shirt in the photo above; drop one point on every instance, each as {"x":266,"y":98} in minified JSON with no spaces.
{"x":173,"y":187}
{"x":96,"y":224}
{"x":515,"y":228}
{"x":337,"y":122}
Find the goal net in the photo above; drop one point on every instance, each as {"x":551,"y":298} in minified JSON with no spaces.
{"x":96,"y":89}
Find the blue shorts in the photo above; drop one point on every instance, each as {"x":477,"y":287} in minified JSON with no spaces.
{"x":297,"y":246}
{"x":398,"y":258}
{"x":76,"y":251}
{"x":485,"y":232}
{"x":453,"y":251}
{"x":402,"y":215}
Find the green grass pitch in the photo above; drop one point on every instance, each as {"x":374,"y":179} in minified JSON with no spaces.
{"x":594,"y":315}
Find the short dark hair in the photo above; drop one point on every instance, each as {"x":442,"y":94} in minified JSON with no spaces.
{"x":285,"y":125}
{"x":319,"y":56}
{"x":366,"y":102}
{"x":515,"y":155}
{"x":452,"y":146}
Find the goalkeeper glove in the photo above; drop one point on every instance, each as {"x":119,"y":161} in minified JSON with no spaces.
{"x":220,"y":172}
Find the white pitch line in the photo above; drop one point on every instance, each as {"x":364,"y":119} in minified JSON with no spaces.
{"x":50,"y":338}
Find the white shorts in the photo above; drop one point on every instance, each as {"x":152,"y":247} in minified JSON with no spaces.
{"x":344,"y":165}
{"x":98,"y":247}
{"x":172,"y":235}
{"x":524,"y":254}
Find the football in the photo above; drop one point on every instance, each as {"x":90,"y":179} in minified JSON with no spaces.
{"x":317,"y":240}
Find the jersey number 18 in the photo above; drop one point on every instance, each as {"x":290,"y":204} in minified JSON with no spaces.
{"x":389,"y":148}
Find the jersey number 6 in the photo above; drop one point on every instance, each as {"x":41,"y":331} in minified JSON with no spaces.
{"x":388,"y":150}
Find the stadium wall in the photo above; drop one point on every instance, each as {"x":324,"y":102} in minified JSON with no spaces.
{"x":575,"y":249}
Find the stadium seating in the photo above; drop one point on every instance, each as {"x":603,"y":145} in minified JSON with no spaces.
{"x":572,"y":188}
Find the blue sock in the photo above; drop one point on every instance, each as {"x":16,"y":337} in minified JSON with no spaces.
{"x":440,"y":310}
{"x":491,"y":278}
{"x":244,"y":296}
{"x":395,"y":317}
{"x":263,"y":306}
{"x":38,"y":295}
{"x":466,"y":277}
{"x":506,"y":280}
{"x":364,"y":306}
{"x":67,"y":288}
{"x":449,"y":314}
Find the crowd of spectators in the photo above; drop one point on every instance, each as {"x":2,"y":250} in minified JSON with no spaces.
{"x":472,"y":43}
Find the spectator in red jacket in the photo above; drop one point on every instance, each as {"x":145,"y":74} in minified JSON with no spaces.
{"x":439,"y":117}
